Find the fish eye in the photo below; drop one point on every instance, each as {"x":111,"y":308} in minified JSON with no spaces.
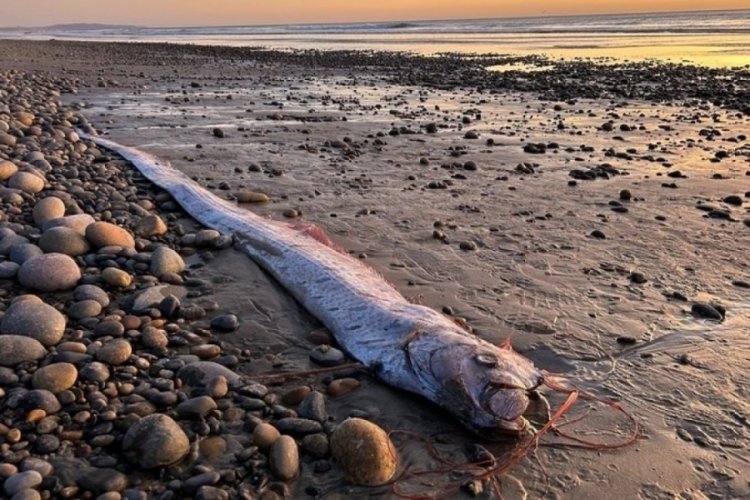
{"x":488,"y":360}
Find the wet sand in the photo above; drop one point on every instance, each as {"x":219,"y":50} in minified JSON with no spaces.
{"x":488,"y":229}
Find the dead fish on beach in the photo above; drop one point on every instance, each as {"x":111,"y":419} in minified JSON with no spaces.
{"x":408,"y":346}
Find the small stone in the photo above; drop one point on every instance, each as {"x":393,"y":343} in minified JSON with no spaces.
{"x":8,"y":270}
{"x":7,"y":169}
{"x":164,"y":260}
{"x":638,"y":278}
{"x":342,"y":386}
{"x":35,"y":319}
{"x":55,"y":378}
{"x":251,"y":197}
{"x":155,"y":441}
{"x":46,"y":443}
{"x":116,"y":277}
{"x":325,"y":355}
{"x":225,"y":323}
{"x":206,"y":351}
{"x":64,"y":240}
{"x":313,"y":407}
{"x":154,"y":338}
{"x":26,"y":182}
{"x":364,"y":451}
{"x":298,"y":426}
{"x":293,"y":397}
{"x":598,"y":234}
{"x":47,"y":209}
{"x":626,"y":339}
{"x":102,"y":480}
{"x":200,"y":373}
{"x":626,"y":195}
{"x":49,"y":273}
{"x":196,"y":408}
{"x":284,"y":458}
{"x":84,"y":309}
{"x":218,"y":133}
{"x":104,"y":234}
{"x":708,"y":311}
{"x":22,"y":481}
{"x":467,"y":245}
{"x":95,"y":372}
{"x":150,"y":225}
{"x":40,"y":399}
{"x":115,"y":352}
{"x":16,"y":349}
{"x":316,"y":445}
{"x":264,"y":435}
{"x":77,"y":222}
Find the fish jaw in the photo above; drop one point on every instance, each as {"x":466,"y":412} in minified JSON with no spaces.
{"x":485,"y":386}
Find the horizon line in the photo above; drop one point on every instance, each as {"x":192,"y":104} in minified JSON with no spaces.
{"x":260,"y":25}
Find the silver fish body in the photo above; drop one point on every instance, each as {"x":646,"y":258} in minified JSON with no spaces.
{"x":408,"y":346}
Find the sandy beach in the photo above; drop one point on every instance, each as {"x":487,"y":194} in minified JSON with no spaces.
{"x":593,"y":215}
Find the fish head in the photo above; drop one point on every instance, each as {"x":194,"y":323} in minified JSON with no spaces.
{"x":486,"y":386}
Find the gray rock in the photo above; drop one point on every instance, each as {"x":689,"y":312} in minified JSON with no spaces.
{"x":103,"y":480}
{"x":22,"y":481}
{"x":49,"y":273}
{"x":313,"y":407}
{"x":225,"y":323}
{"x":84,"y":309}
{"x":16,"y":349}
{"x":34,"y":319}
{"x":325,"y":355}
{"x":155,"y":441}
{"x":10,"y":240}
{"x":26,"y":182}
{"x":40,"y":398}
{"x":198,"y":374}
{"x":64,"y":240}
{"x":47,"y":209}
{"x":164,"y":260}
{"x":115,"y":352}
{"x":91,"y":292}
{"x":95,"y":372}
{"x":298,"y":426}
{"x":8,"y":270}
{"x":41,"y":466}
{"x":196,"y":408}
{"x":23,"y":252}
{"x":77,"y":222}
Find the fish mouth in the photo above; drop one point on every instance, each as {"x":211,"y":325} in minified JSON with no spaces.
{"x":507,"y":405}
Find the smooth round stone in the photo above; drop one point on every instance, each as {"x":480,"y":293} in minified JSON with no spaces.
{"x":364,"y":451}
{"x":77,"y":222}
{"x":47,"y":209}
{"x":23,"y":252}
{"x":325,"y":355}
{"x":109,"y":328}
{"x":84,"y":309}
{"x":283,"y":458}
{"x":16,"y":349}
{"x":27,"y":494}
{"x":205,"y":237}
{"x":7,"y":470}
{"x":22,"y":481}
{"x":155,"y":441}
{"x":251,"y":197}
{"x":10,"y":240}
{"x":116,"y":277}
{"x":64,"y":240}
{"x":164,"y":260}
{"x":102,"y":480}
{"x":8,"y":270}
{"x":150,"y":225}
{"x":49,"y":273}
{"x":26,"y":182}
{"x":95,"y":372}
{"x":7,"y":169}
{"x":34,"y":319}
{"x":206,"y":351}
{"x":264,"y":435}
{"x":196,"y":408}
{"x":198,"y":374}
{"x":91,"y":292}
{"x":313,"y":407}
{"x":41,"y":466}
{"x":41,"y":399}
{"x":104,"y":234}
{"x":55,"y":378}
{"x":115,"y":352}
{"x":316,"y":445}
{"x":46,"y":443}
{"x":7,"y":139}
{"x":342,"y":386}
{"x":154,"y":338}
{"x":225,"y":323}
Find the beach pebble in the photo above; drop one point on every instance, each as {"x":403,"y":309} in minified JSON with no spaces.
{"x":104,"y":234}
{"x":47,"y":209}
{"x":91,"y":292}
{"x":55,"y":378}
{"x":116,"y":277}
{"x":154,"y":338}
{"x":22,"y":481}
{"x":225,"y":323}
{"x":102,"y":480}
{"x":708,"y":311}
{"x":84,"y":309}
{"x":26,"y":182}
{"x":206,"y":237}
{"x":115,"y":352}
{"x":364,"y":451}
{"x":298,"y":426}
{"x":155,"y":441}
{"x":16,"y":349}
{"x":8,"y":270}
{"x":150,"y":225}
{"x":264,"y":435}
{"x":40,"y":399}
{"x":198,"y":374}
{"x":7,"y":169}
{"x":342,"y":386}
{"x":7,"y":140}
{"x":251,"y":197}
{"x":313,"y":407}
{"x":23,"y":252}
{"x":64,"y":240}
{"x":467,"y":245}
{"x":164,"y":260}
{"x":35,"y":319}
{"x":49,"y":273}
{"x":325,"y":355}
{"x":95,"y":372}
{"x":283,"y":458}
{"x":196,"y":408}
{"x":76,"y":222}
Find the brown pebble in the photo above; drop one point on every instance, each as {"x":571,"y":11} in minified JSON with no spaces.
{"x":342,"y":386}
{"x":296,"y":395}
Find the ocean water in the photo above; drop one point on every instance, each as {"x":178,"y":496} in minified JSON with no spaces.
{"x":714,"y":38}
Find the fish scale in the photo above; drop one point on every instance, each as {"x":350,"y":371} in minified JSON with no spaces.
{"x":408,"y":346}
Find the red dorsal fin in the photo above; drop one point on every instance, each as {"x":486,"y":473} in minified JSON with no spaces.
{"x":317,"y":233}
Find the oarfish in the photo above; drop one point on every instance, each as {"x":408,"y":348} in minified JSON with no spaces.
{"x":406,"y":345}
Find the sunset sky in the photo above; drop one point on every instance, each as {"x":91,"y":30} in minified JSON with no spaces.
{"x":239,"y":12}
